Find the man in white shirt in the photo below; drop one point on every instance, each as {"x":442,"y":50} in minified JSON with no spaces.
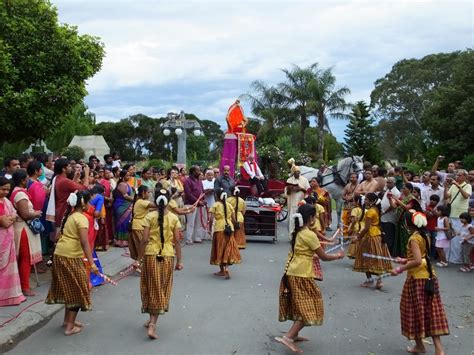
{"x":296,"y":188}
{"x":208,"y":187}
{"x":253,"y":174}
{"x":423,"y":186}
{"x":389,"y":216}
{"x":434,"y":189}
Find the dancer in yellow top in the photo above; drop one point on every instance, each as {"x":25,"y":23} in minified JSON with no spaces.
{"x":161,"y":235}
{"x":300,"y":298}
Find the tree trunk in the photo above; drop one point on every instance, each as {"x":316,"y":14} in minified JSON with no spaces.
{"x":303,"y":125}
{"x":321,"y":120}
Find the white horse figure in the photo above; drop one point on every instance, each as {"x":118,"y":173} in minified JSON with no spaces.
{"x":334,"y":178}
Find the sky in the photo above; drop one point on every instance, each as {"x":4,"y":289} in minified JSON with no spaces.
{"x":199,"y":56}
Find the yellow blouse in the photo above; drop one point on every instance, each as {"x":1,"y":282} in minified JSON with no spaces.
{"x":316,"y":226}
{"x":172,"y":205}
{"x":302,"y":263}
{"x":419,"y":272}
{"x":218,"y":211}
{"x":170,"y":223}
{"x":233,"y":202}
{"x":69,"y":244}
{"x":374,"y":229}
{"x":357,"y":213}
{"x":140,"y":210}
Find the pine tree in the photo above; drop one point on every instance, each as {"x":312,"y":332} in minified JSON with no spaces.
{"x":361,"y":136}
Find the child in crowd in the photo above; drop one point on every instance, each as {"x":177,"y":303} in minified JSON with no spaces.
{"x":224,"y":251}
{"x":466,"y":232}
{"x":160,"y":234}
{"x":421,"y":309}
{"x":300,"y":298}
{"x":432,"y":217}
{"x":442,"y":241}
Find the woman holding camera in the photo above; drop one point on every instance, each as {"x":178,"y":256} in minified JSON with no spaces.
{"x":224,"y":251}
{"x":161,"y":231}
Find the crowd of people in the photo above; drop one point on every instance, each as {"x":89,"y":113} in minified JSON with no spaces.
{"x":69,"y":209}
{"x":389,"y":216}
{"x":60,"y":212}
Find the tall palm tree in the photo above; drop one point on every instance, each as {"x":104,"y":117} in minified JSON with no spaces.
{"x":266,"y":103}
{"x":296,"y":93}
{"x":325,"y":101}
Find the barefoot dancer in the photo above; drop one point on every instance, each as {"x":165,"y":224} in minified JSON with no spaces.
{"x":370,"y":241}
{"x":224,"y":250}
{"x":355,"y":227}
{"x":238,"y":204}
{"x":422,"y":314}
{"x":161,"y":230}
{"x":70,"y":283}
{"x":300,"y":298}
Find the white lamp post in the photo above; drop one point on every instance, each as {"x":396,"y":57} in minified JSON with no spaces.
{"x":180,"y":124}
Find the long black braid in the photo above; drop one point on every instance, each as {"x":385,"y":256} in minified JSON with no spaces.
{"x":161,"y":218}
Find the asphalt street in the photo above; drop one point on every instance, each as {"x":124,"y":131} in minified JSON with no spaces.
{"x":210,"y":315}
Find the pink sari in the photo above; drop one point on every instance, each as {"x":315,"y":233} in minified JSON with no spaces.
{"x":10,"y":289}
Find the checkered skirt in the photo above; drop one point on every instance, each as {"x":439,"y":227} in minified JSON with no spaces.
{"x":318,"y":271}
{"x":304,"y":302}
{"x":352,"y":250}
{"x":135,"y":243}
{"x":372,"y":245}
{"x":224,"y":250}
{"x":70,"y":284}
{"x":239,"y":235}
{"x":422,"y":315}
{"x":156,"y":284}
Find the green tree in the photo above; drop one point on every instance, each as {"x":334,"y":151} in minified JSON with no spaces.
{"x":73,"y":152}
{"x":325,"y":101}
{"x":400,"y":98}
{"x":79,"y":122}
{"x":361,"y":136}
{"x":43,"y":69}
{"x":448,"y":120}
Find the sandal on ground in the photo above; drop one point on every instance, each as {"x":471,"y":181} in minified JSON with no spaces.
{"x":441,"y":264}
{"x":465,"y":269}
{"x":220,"y":273}
{"x":151,"y":331}
{"x":73,"y":331}
{"x":367,"y":283}
{"x":227,"y":274}
{"x":379,"y":284}
{"x":289,"y":343}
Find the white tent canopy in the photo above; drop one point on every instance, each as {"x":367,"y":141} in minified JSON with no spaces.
{"x":92,"y":145}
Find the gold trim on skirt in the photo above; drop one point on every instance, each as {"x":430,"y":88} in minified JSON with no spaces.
{"x":224,"y":250}
{"x":372,"y":245}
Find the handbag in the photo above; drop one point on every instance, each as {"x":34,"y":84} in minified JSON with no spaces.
{"x":450,"y":234}
{"x":228,"y":230}
{"x":35,"y":226}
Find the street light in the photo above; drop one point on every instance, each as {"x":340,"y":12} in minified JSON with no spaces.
{"x":179,"y":124}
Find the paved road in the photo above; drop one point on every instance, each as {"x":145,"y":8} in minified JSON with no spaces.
{"x":209,"y":315}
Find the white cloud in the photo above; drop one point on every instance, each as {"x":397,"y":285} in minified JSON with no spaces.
{"x":160,"y":44}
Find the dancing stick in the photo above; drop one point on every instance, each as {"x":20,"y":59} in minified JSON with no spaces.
{"x":199,"y":199}
{"x":398,"y":261}
{"x":107,"y":279}
{"x":334,"y":235}
{"x":128,"y":270}
{"x":383,"y":276}
{"x":327,"y":243}
{"x":337,"y":247}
